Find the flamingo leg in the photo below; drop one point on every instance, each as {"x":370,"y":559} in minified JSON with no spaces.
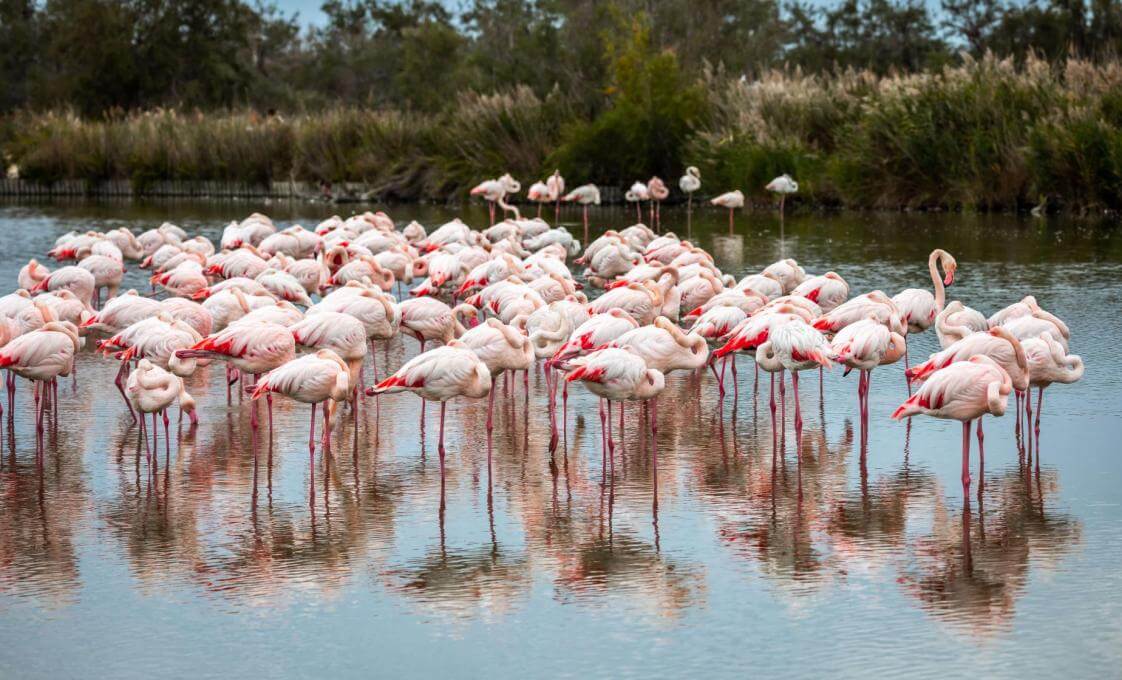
{"x":966,"y":462}
{"x":586,"y":226}
{"x":798,"y":415}
{"x":981,"y":460}
{"x":603,"y":440}
{"x":1028,"y":420}
{"x":1036,"y":424}
{"x":312,"y":455}
{"x":491,"y":407}
{"x":654,"y":449}
{"x":119,"y":381}
{"x":689,"y":215}
{"x":167,"y":437}
{"x":440,"y":445}
{"x":611,"y":444}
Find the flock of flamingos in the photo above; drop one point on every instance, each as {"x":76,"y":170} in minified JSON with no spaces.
{"x":297,"y":312}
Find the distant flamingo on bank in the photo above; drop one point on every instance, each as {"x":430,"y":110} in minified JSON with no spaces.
{"x":556,"y":185}
{"x":637,"y":194}
{"x":784,"y":186}
{"x":732,"y":201}
{"x":658,"y":192}
{"x":689,"y":183}
{"x":585,"y":195}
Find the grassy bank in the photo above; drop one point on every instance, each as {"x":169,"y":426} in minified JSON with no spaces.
{"x":984,"y":135}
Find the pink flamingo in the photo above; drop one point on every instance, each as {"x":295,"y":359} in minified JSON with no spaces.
{"x":864,"y":345}
{"x":658,"y":192}
{"x":690,"y":183}
{"x":615,"y":374}
{"x":31,"y":274}
{"x":151,"y":389}
{"x":310,"y":379}
{"x":556,"y":184}
{"x":1049,"y":363}
{"x":794,"y":346}
{"x":585,"y":195}
{"x":732,"y":201}
{"x":41,"y":356}
{"x":502,"y":348}
{"x":827,"y":290}
{"x":252,"y":348}
{"x":963,"y":391}
{"x":439,"y":375}
{"x":72,"y":278}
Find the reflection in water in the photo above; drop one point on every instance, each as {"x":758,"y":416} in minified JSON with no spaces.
{"x":226,"y":515}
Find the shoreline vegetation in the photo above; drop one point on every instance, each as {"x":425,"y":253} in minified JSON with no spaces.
{"x":987,"y":134}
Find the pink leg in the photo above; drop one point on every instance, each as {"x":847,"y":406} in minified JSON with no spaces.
{"x":119,"y":381}
{"x":966,"y":462}
{"x":312,"y":455}
{"x":491,"y":407}
{"x":326,"y":429}
{"x":585,"y":242}
{"x":981,"y":460}
{"x":440,"y":446}
{"x":654,"y":448}
{"x":611,"y":444}
{"x":167,"y":436}
{"x":1036,"y":424}
{"x":603,"y":440}
{"x":798,"y":414}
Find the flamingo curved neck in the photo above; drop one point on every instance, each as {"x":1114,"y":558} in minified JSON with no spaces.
{"x":936,"y":280}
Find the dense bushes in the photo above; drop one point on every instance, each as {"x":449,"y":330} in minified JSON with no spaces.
{"x":985,"y":134}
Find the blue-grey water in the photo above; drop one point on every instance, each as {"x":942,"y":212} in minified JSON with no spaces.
{"x":215,"y":565}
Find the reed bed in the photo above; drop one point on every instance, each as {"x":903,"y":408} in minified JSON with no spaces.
{"x":986,"y":134}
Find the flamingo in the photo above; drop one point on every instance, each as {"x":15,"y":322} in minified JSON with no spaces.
{"x":782,"y":185}
{"x":585,"y":195}
{"x":658,"y":192}
{"x":637,"y":194}
{"x":540,"y":194}
{"x":794,"y":346}
{"x":556,"y":184}
{"x":494,"y":191}
{"x":732,"y":200}
{"x":107,"y":273}
{"x":151,"y":389}
{"x":31,"y":274}
{"x":864,"y":345}
{"x":428,"y":319}
{"x":41,"y":356}
{"x":339,"y":332}
{"x":827,"y":291}
{"x":963,"y":391}
{"x":502,"y":348}
{"x":444,"y":373}
{"x":787,"y":272}
{"x":689,"y":183}
{"x":919,"y":306}
{"x":310,"y":379}
{"x":251,"y":348}
{"x":1049,"y":363}
{"x":956,"y":321}
{"x":615,"y":374}
{"x":121,"y":312}
{"x":72,"y":278}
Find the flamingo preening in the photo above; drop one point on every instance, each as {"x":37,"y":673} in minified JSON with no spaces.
{"x":732,"y":201}
{"x":689,"y":183}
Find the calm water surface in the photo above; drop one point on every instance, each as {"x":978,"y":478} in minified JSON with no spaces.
{"x":214,"y":565}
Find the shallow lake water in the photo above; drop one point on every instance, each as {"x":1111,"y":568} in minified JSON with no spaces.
{"x":832,"y":563}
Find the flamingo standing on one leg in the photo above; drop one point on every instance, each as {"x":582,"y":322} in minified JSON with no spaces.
{"x":864,"y":345}
{"x":689,"y":183}
{"x":151,"y":389}
{"x":794,"y":346}
{"x":502,"y":348}
{"x":963,"y":391}
{"x":556,"y":184}
{"x":311,"y":379}
{"x":658,"y":192}
{"x":637,"y":194}
{"x":732,"y":200}
{"x":439,"y":375}
{"x":585,"y":195}
{"x":782,"y":185}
